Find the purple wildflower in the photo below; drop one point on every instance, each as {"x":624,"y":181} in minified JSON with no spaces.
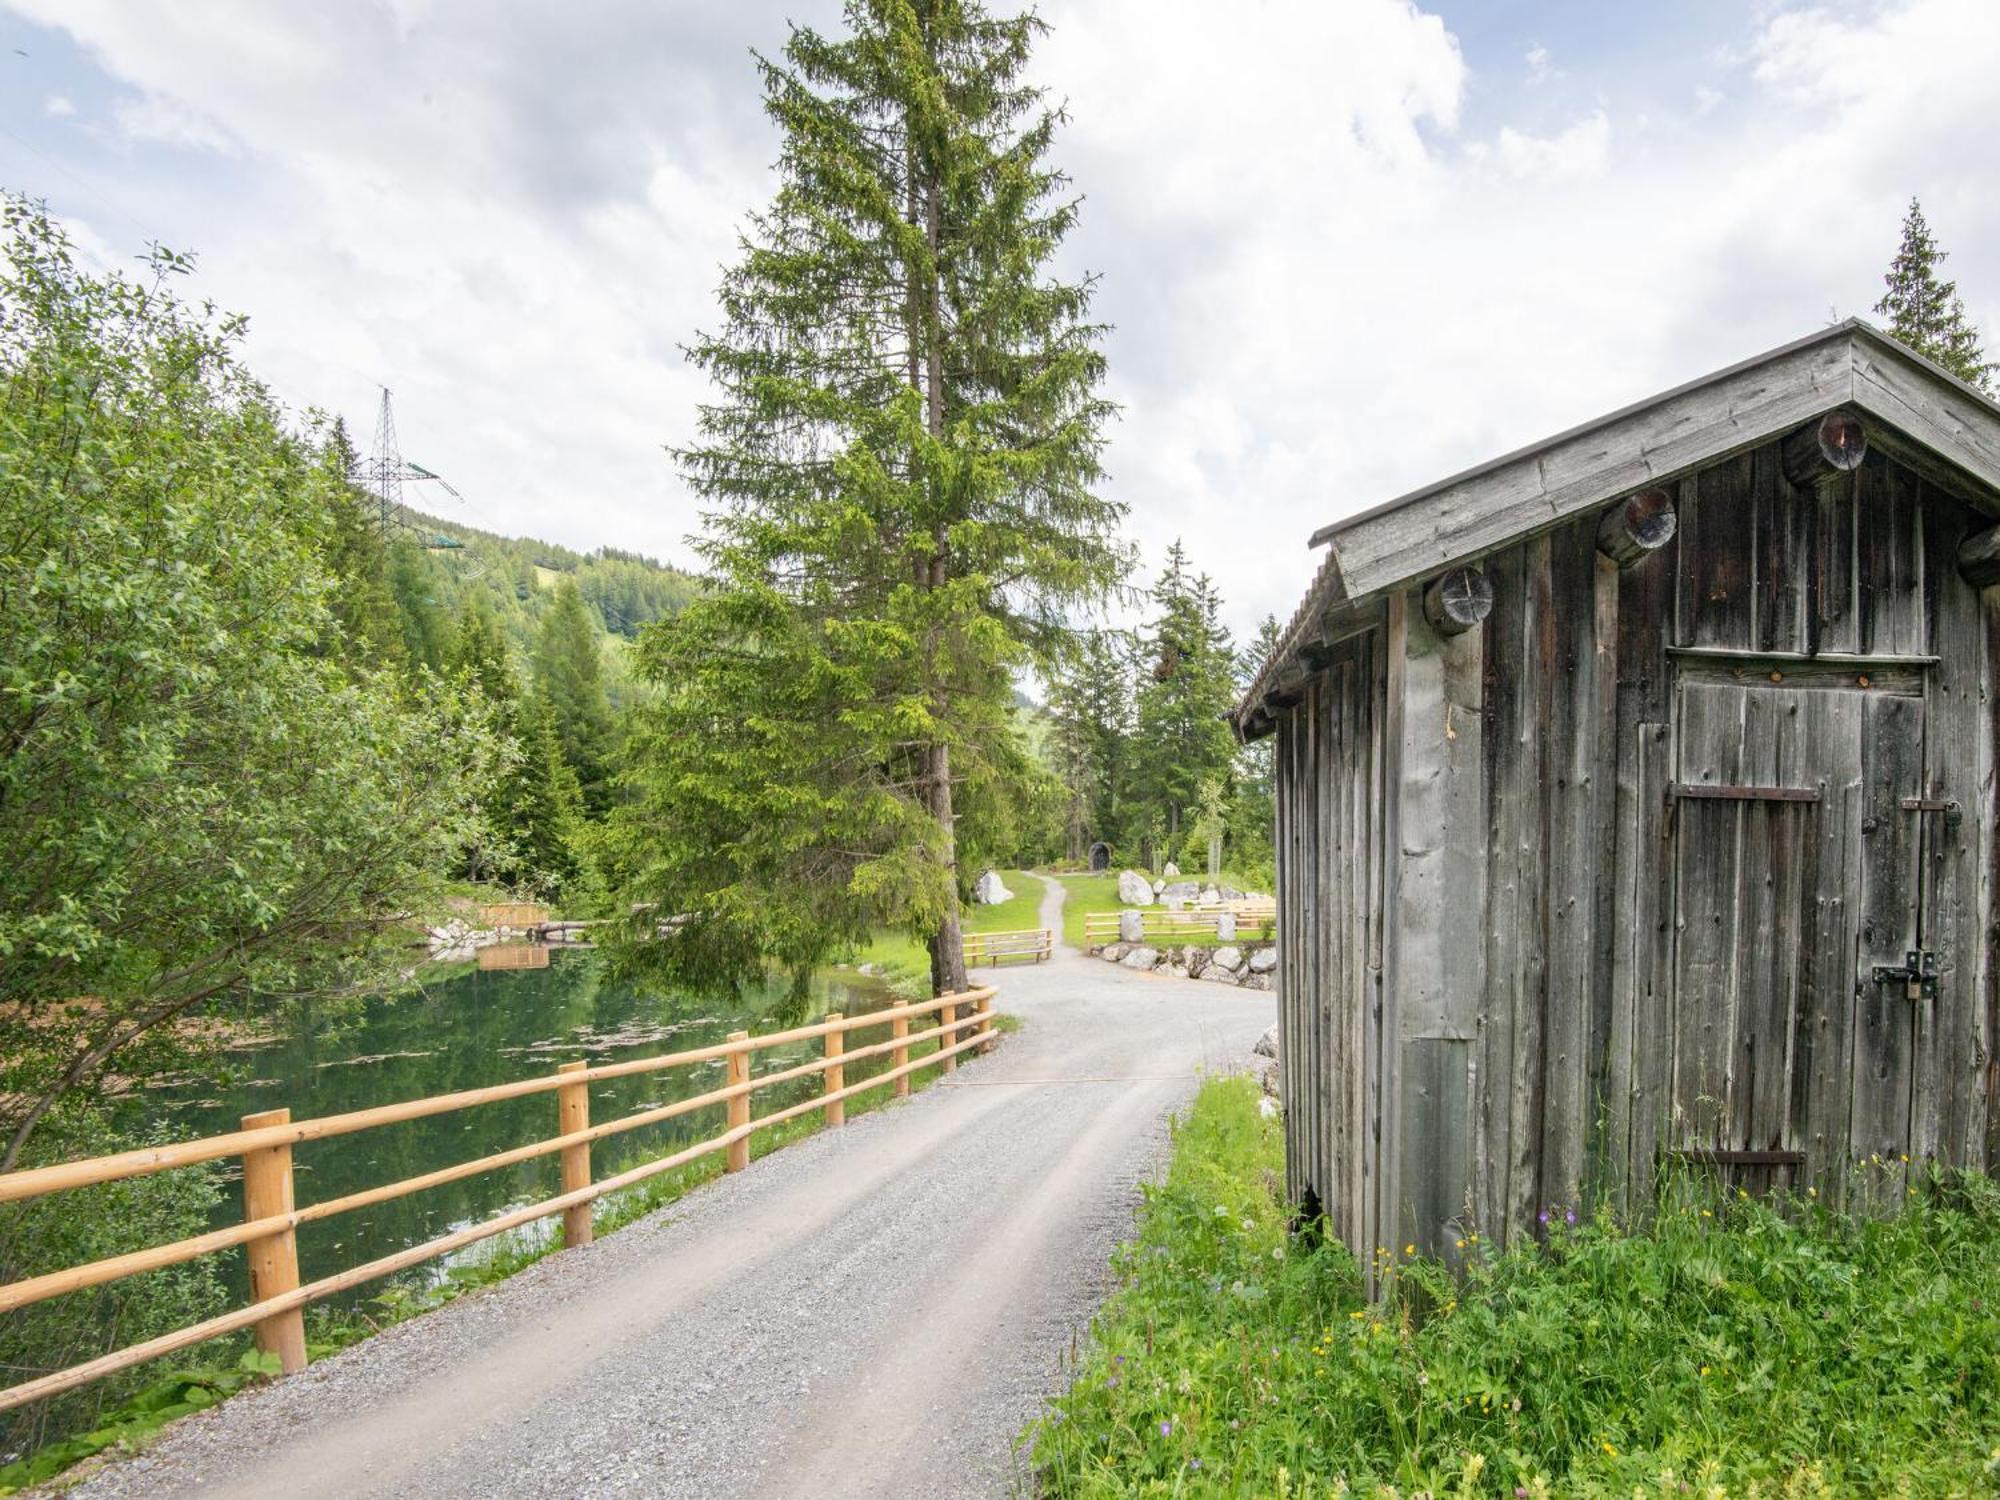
{"x":1569,"y":1216}
{"x":1166,"y":1429}
{"x":1541,"y":1218}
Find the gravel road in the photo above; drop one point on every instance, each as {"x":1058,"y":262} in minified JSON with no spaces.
{"x":874,"y":1311}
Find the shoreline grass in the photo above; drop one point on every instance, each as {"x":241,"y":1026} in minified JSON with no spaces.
{"x":1728,"y":1347}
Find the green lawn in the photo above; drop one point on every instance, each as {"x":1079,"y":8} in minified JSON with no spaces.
{"x":1727,"y":1346}
{"x":907,"y":962}
{"x":1093,"y":894}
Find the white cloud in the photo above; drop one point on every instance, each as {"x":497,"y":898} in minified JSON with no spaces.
{"x":1579,"y":150}
{"x":56,"y":107}
{"x":1540,"y":68}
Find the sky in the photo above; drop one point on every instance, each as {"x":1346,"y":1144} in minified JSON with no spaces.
{"x":1346,"y":247}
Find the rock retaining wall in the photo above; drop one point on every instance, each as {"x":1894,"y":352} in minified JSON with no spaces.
{"x":1248,"y":968}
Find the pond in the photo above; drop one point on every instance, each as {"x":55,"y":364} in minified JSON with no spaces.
{"x":465,"y":1031}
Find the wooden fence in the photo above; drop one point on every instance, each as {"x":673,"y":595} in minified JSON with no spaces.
{"x":1255,"y":921}
{"x":271,"y":1221}
{"x":1032,"y":945}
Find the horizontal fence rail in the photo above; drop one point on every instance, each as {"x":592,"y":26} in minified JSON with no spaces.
{"x":963,"y":1022}
{"x":1030,"y":946}
{"x":1251,"y":921}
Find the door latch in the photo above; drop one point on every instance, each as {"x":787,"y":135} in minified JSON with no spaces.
{"x":1918,"y":975}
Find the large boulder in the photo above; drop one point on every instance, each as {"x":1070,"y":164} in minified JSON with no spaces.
{"x":1225,"y":926}
{"x":1111,"y":952}
{"x":1197,"y":960}
{"x":1228,"y":956}
{"x":1212,"y":895}
{"x":1134,"y":889}
{"x":1170,"y":870}
{"x":989,"y":890}
{"x":1219,"y":975}
{"x":1139,"y":957}
{"x":1267,"y":1044}
{"x":1264,"y":960}
{"x":1256,"y":981}
{"x":1131,"y":926}
{"x":1180,"y":890}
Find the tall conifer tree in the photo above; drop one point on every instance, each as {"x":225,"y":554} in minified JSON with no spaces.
{"x":901,"y":461}
{"x":1924,"y":311}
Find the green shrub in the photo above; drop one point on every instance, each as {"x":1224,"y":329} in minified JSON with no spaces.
{"x":41,"y":1235}
{"x":1727,"y":1347}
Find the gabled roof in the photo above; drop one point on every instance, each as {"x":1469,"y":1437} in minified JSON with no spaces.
{"x":1933,"y":419}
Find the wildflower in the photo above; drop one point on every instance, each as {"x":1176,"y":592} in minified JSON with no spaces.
{"x":1812,"y":1192}
{"x":1541,"y":1218}
{"x":1409,"y":1249}
{"x":1194,"y":1463}
{"x":1248,"y":1226}
{"x":1569,"y":1216}
{"x":1166,"y":1429}
{"x":1609,"y":1449}
{"x":1111,"y":1382}
{"x":1704,"y":1369}
{"x":1277,"y":1252}
{"x":1461,"y":1244}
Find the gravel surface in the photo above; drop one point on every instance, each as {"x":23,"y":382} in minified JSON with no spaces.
{"x":874,"y":1311}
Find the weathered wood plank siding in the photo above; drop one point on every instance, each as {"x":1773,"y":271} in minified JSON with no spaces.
{"x":1604,"y":884}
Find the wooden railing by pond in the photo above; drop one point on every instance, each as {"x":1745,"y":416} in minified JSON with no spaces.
{"x":963,"y":1022}
{"x":995,"y":948}
{"x":1255,"y":921}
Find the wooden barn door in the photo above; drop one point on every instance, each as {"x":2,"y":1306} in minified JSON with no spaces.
{"x":1798,"y":825}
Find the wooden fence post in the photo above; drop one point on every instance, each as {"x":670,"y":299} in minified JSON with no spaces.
{"x":739,"y":1104}
{"x":572,"y":1115}
{"x":985,"y":1009}
{"x":836,"y":1074}
{"x":946,"y":1015}
{"x":274,"y":1259}
{"x":899,"y":1031}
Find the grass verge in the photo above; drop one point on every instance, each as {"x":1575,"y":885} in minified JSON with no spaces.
{"x":1730,"y":1347}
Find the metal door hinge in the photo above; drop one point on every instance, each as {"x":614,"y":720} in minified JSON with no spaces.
{"x":1918,"y":975}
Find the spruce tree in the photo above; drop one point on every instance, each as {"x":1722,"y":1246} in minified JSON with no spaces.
{"x":569,"y":678}
{"x":1183,"y":740}
{"x":1090,"y":706}
{"x":900,"y":462}
{"x":1925,"y":312}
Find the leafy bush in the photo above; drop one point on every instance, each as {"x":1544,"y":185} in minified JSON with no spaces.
{"x":41,"y":1235}
{"x":1728,"y":1346}
{"x":159,"y":1403}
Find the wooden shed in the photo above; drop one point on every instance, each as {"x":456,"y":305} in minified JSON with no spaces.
{"x":1636,"y":804}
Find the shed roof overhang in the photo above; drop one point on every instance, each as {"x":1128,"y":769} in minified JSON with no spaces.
{"x":1920,"y":414}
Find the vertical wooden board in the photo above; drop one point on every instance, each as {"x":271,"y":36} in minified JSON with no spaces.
{"x":1884,"y":1025}
{"x":1291,"y":908}
{"x":1432,"y":968}
{"x":1311,"y":1001}
{"x":1707,"y":839}
{"x":1370,"y":897}
{"x":1605,"y":1145}
{"x":1958,"y":770}
{"x":1568,"y":674}
{"x":1395,"y":646}
{"x":1640,"y":884}
{"x":1780,"y":855}
{"x":1720,"y":559}
{"x":1835,"y":616}
{"x":1650,"y":1045}
{"x":1888,"y":558}
{"x":1822,"y":1063}
{"x":1510,"y":769}
{"x":1435,"y":1143}
{"x":1786,"y":537}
